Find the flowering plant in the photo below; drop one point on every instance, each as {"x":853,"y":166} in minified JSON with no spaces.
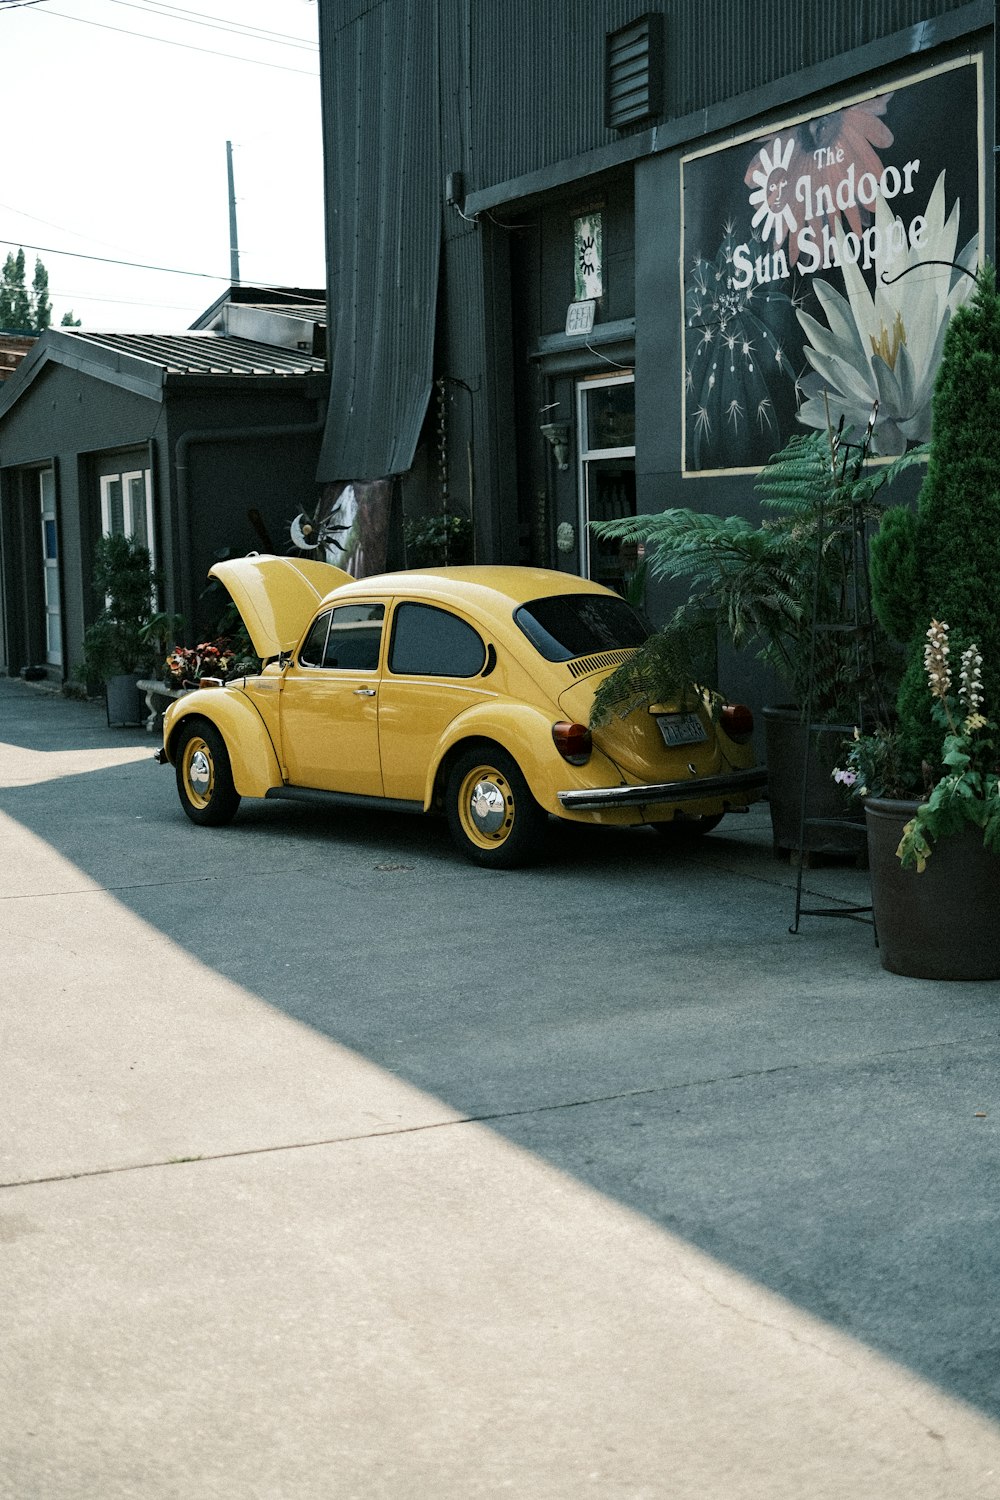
{"x":871,"y":766}
{"x":968,"y":790}
{"x":188,"y":664}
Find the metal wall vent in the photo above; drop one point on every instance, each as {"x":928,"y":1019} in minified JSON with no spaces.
{"x":634,"y":73}
{"x":586,"y":664}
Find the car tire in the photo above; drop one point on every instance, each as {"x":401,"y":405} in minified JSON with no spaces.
{"x":680,"y":829}
{"x":492,"y":816}
{"x":204,"y":776}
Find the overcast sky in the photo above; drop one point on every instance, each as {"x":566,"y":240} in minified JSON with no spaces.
{"x":116,"y":115}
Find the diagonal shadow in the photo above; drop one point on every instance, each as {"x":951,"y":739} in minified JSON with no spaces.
{"x":638,"y":1016}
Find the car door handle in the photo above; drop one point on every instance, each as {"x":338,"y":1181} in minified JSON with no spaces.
{"x":364,"y":692}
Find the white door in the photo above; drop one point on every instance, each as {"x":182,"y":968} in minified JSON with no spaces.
{"x":606,"y":427}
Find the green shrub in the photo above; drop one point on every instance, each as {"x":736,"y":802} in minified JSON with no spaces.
{"x":437,"y":541}
{"x":123,"y":577}
{"x":945,"y":564}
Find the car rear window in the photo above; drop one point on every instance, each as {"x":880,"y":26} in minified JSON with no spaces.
{"x":568,"y":625}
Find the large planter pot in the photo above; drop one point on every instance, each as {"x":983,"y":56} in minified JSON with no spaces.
{"x":787,"y":741}
{"x":940,"y":924}
{"x":125,"y":703}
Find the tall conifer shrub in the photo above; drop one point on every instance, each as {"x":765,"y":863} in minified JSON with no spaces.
{"x":943,"y":562}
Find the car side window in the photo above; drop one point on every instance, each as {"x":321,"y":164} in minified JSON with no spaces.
{"x":430,"y":642}
{"x":355,"y":637}
{"x":314,"y":645}
{"x":347,"y":638}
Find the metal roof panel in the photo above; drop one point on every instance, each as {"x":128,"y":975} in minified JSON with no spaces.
{"x":204,"y":353}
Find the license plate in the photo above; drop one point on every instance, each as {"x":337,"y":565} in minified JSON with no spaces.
{"x":681,"y":729}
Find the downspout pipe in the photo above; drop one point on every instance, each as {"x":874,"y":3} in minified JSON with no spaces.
{"x":182,"y":448}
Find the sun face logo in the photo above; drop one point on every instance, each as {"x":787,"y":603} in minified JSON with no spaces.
{"x":772,"y":197}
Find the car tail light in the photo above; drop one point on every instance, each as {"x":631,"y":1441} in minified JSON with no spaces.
{"x":737,"y":721}
{"x":572,"y":741}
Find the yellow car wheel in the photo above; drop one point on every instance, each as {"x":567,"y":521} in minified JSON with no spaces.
{"x":204,"y":777}
{"x":493,"y":818}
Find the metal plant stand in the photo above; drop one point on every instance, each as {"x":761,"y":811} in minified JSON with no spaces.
{"x":858,"y":628}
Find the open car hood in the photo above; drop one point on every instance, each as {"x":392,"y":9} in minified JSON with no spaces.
{"x":276,"y":596}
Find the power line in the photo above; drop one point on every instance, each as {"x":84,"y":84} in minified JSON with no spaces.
{"x":135,"y":265}
{"x":81,"y":299}
{"x":63,"y":228}
{"x":186,"y":46}
{"x":216,"y":23}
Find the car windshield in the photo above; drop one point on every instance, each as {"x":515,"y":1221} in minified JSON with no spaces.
{"x":569,"y":625}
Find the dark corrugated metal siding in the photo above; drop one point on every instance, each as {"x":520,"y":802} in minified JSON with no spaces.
{"x":538,"y":65}
{"x":384,"y":220}
{"x":494,"y":90}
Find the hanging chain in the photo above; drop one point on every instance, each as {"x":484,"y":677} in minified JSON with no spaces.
{"x":442,"y":403}
{"x":442,"y":406}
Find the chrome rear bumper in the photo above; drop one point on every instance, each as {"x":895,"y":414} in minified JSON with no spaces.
{"x":696,"y":789}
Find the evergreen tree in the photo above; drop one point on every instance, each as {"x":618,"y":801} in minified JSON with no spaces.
{"x":21,"y":310}
{"x":20,"y":301}
{"x":68,"y":321}
{"x":8,"y":282}
{"x":944,"y":564}
{"x":41,"y":306}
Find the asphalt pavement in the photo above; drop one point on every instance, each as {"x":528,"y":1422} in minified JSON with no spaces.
{"x":333,"y":1168}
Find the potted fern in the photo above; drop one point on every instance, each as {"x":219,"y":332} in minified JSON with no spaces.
{"x":758,"y":584}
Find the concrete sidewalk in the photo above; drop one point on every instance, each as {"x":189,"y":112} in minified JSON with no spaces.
{"x":333,"y":1167}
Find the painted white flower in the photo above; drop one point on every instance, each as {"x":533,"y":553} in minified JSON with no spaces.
{"x":886,"y":347}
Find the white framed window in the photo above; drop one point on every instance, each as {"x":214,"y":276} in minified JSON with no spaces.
{"x":50,"y":565}
{"x":127,"y":507}
{"x":605,"y":422}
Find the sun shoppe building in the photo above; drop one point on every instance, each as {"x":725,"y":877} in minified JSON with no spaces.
{"x":588,"y":256}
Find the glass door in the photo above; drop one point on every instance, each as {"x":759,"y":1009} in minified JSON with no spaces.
{"x":606,"y":425}
{"x":50,"y":562}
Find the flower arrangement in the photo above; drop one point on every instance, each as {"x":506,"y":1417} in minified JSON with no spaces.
{"x":968,"y":789}
{"x":871,"y":766}
{"x":187,"y":665}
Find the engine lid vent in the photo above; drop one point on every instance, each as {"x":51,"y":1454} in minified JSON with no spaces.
{"x":584,"y":665}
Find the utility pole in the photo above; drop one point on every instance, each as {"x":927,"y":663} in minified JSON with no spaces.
{"x":234,"y":244}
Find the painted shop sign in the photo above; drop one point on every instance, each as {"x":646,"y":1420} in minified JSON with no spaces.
{"x":794,"y":244}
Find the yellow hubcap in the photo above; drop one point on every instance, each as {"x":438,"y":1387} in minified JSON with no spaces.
{"x":199,"y":772}
{"x":486,"y":807}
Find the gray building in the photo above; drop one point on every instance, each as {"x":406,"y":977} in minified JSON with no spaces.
{"x":200,"y":443}
{"x":592,"y":256}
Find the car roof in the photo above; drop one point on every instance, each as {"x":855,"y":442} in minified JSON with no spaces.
{"x":488,"y":585}
{"x":278,"y":596}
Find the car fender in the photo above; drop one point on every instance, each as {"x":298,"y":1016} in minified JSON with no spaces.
{"x":525,"y":732}
{"x":252,"y":756}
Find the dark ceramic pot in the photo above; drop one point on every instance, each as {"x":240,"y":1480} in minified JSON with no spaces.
{"x":125,"y":703}
{"x":786,"y":741}
{"x":942,"y":923}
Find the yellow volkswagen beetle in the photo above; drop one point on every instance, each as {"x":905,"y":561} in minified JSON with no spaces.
{"x":466,"y":689}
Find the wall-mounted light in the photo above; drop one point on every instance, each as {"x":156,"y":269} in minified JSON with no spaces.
{"x":557,"y":433}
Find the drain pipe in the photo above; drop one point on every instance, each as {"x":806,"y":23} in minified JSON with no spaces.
{"x":216,"y":435}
